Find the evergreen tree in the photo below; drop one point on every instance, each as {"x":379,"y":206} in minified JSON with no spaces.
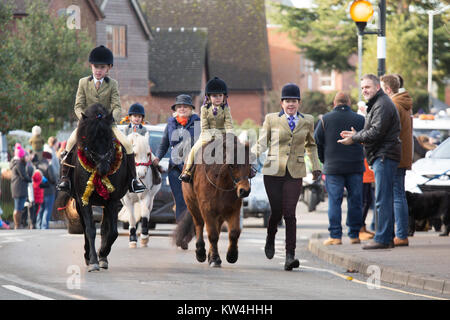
{"x":43,"y":62}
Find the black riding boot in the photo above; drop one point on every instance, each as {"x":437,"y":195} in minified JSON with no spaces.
{"x":136,"y":186}
{"x":66,"y":162}
{"x":291,"y":262}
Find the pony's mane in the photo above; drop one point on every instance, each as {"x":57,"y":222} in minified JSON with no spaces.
{"x":94,"y":129}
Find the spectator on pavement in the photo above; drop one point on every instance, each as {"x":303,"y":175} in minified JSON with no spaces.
{"x":402,"y":100}
{"x":368,"y":201}
{"x":343,"y":166}
{"x":37,"y":144}
{"x":45,"y":212}
{"x":382,"y":146}
{"x":19,"y":182}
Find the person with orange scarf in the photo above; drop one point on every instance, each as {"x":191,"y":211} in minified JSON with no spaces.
{"x":178,"y":139}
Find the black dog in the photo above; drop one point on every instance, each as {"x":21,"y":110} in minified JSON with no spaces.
{"x":429,"y":205}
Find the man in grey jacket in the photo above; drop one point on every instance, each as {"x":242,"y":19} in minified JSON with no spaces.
{"x":382,"y":145}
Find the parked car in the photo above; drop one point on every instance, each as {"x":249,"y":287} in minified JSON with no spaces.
{"x":257,"y":203}
{"x":432,"y":172}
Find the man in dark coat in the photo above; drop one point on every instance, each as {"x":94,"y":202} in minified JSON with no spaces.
{"x":382,"y":145}
{"x":343,"y":166}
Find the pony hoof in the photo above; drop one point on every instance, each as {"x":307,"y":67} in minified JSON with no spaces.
{"x":201,"y":256}
{"x":184,"y":245}
{"x":215,"y":264}
{"x":144,"y":241}
{"x":103,"y":264}
{"x":232,"y":256}
{"x":132,"y":245}
{"x":93,"y":267}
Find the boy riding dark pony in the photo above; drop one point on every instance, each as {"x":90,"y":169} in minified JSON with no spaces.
{"x":99,"y":178}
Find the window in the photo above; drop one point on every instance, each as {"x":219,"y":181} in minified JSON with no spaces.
{"x":116,"y":40}
{"x":326,"y":80}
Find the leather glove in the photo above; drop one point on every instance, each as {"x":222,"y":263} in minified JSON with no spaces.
{"x":316,"y":174}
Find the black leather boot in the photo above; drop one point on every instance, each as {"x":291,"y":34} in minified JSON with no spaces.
{"x":269,"y":248}
{"x":136,"y":186}
{"x":291,"y":262}
{"x":185,"y":177}
{"x":66,"y":162}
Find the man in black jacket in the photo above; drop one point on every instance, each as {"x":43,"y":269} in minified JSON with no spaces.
{"x":382,"y":145}
{"x":343,"y":166}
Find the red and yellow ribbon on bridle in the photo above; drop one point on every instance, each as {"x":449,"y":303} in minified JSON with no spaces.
{"x":100,"y":184}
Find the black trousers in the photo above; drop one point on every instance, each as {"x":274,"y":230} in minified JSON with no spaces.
{"x":283,"y":193}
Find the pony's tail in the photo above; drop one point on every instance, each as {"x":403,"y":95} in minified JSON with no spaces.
{"x":185,"y":230}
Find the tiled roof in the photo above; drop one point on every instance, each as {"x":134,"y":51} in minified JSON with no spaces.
{"x":177,"y":60}
{"x":237,"y":50}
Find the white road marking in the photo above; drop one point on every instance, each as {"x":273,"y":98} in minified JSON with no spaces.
{"x":349,"y":278}
{"x":17,"y":280}
{"x":26,"y":292}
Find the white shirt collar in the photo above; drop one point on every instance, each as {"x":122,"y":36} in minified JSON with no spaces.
{"x":295,"y":116}
{"x":95,"y":80}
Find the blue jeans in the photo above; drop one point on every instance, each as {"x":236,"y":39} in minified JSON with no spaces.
{"x":175,"y":186}
{"x":384,"y":170}
{"x":45,"y":213}
{"x":19,"y":203}
{"x":400,"y":204}
{"x":335,"y":187}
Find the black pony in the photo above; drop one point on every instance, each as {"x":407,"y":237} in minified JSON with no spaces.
{"x":99,"y":178}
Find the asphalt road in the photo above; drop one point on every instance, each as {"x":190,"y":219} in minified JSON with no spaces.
{"x":49,"y":264}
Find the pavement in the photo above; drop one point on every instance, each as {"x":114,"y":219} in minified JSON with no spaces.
{"x":424,"y":264}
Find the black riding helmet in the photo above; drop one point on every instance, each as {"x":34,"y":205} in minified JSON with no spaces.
{"x":136,"y":108}
{"x":290,"y":91}
{"x":216,"y":85}
{"x":101,"y":55}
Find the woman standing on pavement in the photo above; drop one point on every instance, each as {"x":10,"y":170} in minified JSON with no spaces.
{"x":19,"y":182}
{"x":287,"y":135}
{"x":179,"y":138}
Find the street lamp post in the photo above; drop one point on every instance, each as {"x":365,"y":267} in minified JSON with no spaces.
{"x":430,"y":50}
{"x":381,"y":40}
{"x":361,"y":11}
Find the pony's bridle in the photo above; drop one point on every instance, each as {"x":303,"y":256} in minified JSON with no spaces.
{"x":233,"y":178}
{"x":144,"y":164}
{"x":106,"y":157}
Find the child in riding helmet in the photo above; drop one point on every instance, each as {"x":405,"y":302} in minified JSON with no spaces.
{"x":214,"y":115}
{"x":136,"y":115}
{"x":99,"y":88}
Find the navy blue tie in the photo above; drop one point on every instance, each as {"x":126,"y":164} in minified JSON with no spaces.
{"x":291,"y":123}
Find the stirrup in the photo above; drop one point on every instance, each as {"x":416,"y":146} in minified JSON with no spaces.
{"x":185,"y":177}
{"x":67,"y":188}
{"x":139,"y":187}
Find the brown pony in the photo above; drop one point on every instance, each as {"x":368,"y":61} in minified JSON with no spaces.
{"x":215,"y":196}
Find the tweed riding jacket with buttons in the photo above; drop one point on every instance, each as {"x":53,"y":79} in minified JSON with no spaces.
{"x":107,"y":95}
{"x":286,"y":147}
